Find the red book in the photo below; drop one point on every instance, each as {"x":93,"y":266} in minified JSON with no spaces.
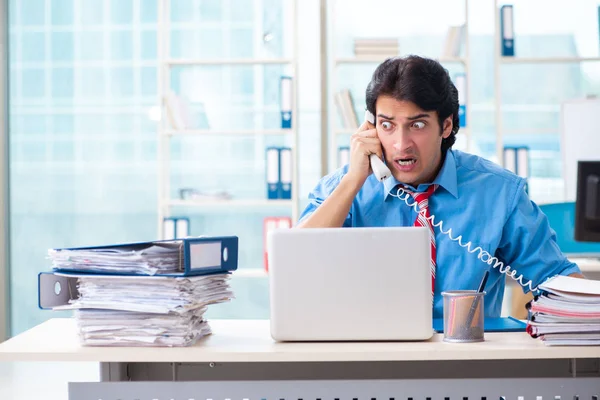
{"x":269,"y":224}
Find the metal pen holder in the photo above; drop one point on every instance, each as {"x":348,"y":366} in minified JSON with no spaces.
{"x":463,"y":316}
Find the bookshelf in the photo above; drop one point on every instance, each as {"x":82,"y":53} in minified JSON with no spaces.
{"x":364,"y":64}
{"x":545,"y":63}
{"x":261,"y":68}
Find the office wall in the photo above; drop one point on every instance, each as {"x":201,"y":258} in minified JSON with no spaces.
{"x":4,"y":184}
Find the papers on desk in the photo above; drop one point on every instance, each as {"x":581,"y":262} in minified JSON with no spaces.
{"x":116,"y":310}
{"x":144,"y":293}
{"x":126,"y":328}
{"x":566,"y":312}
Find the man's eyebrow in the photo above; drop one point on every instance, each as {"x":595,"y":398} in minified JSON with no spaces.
{"x":385,"y":117}
{"x":418,"y":116}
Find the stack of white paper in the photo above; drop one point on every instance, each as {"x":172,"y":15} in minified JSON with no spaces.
{"x":150,"y":259}
{"x":114,"y":310}
{"x":567,"y":312}
{"x":126,"y":328}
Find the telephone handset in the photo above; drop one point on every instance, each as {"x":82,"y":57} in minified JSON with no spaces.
{"x":381,"y":171}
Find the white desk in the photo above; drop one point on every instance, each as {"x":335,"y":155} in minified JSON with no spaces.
{"x":243,"y":353}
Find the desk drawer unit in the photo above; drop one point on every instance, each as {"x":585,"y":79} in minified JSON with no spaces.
{"x":414,"y":389}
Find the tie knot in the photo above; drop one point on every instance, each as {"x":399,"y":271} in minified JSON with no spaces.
{"x":421,"y":196}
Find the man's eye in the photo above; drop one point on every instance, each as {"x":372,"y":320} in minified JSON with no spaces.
{"x":386,"y":125}
{"x":419,"y":125}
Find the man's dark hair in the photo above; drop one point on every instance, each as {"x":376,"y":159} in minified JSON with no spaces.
{"x":421,"y":81}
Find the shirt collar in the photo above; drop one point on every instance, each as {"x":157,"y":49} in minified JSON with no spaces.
{"x":446,"y":178}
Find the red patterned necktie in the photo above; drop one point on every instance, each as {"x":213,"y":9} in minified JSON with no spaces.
{"x":422,"y":200}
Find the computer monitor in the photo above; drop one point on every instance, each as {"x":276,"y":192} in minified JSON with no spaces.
{"x":587,"y":204}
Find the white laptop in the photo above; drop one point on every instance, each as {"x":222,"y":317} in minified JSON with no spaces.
{"x":350,"y":284}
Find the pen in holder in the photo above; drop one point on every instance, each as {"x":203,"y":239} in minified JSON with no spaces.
{"x":463,"y":316}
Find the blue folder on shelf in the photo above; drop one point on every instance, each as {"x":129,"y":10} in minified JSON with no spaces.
{"x":502,"y":324}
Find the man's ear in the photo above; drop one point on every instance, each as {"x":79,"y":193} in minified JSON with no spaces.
{"x":447,"y":127}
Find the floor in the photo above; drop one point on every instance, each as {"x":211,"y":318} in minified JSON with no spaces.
{"x":43,"y":381}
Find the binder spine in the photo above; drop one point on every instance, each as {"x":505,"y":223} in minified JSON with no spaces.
{"x":286,"y":102}
{"x":55,"y":290}
{"x":210,"y":255}
{"x":461,"y":86}
{"x":272,"y":172}
{"x":285,"y":184}
{"x":343,"y":156}
{"x":507,"y":30}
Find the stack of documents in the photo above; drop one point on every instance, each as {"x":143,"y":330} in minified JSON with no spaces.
{"x":567,"y":312}
{"x":141,"y":294}
{"x":150,"y":259}
{"x":113,"y":310}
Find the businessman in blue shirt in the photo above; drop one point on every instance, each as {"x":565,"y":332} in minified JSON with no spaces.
{"x":415,"y":105}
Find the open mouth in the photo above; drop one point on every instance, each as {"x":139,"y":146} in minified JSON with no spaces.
{"x":404,"y":162}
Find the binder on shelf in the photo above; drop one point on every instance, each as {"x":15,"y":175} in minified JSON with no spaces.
{"x":273,"y":171}
{"x":269,"y":224}
{"x":285,"y":173}
{"x":343,"y":156}
{"x":510,"y":159}
{"x":460,"y":80}
{"x":523,"y":161}
{"x":507,"y":33}
{"x":172,"y":258}
{"x":286,"y":90}
{"x":176,"y":228}
{"x":516,"y":160}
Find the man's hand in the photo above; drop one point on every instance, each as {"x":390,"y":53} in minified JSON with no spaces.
{"x":577,"y":275}
{"x":363,"y":143}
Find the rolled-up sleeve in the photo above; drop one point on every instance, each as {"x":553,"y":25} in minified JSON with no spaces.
{"x":528,"y":244}
{"x":320,"y":192}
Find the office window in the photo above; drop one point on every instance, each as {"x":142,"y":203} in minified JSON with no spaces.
{"x":83,"y":141}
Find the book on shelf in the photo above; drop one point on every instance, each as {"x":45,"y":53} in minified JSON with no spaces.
{"x":454,"y":40}
{"x":384,"y":47}
{"x":178,"y":111}
{"x":345,"y":106}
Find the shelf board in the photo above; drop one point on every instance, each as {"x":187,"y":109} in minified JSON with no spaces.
{"x":232,"y":61}
{"x":250,"y":273}
{"x":203,"y":132}
{"x":380,"y":59}
{"x":230,"y":203}
{"x":547,"y":60}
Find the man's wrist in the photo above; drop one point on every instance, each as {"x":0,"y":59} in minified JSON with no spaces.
{"x":352,"y":184}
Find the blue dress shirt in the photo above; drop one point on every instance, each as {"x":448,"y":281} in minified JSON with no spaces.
{"x":481,"y":201}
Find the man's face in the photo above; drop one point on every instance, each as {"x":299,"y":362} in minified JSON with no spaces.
{"x":411,"y":139}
